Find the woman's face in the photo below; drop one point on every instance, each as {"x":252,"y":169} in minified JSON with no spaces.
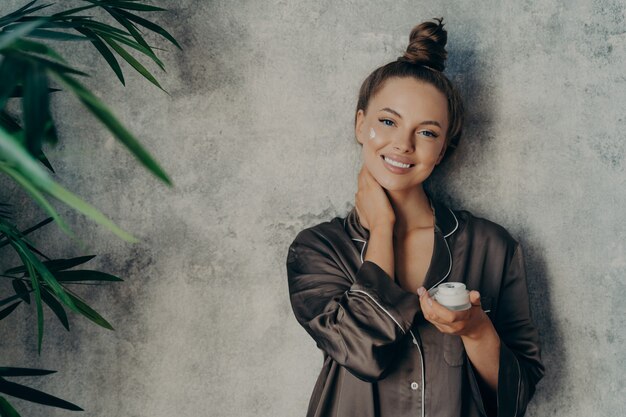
{"x":406,"y":121}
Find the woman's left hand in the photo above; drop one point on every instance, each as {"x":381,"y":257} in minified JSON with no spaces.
{"x":471,"y":323}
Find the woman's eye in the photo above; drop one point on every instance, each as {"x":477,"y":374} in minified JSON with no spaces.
{"x":383,"y":121}
{"x":429,"y":133}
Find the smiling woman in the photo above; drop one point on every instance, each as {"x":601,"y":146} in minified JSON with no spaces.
{"x":409,"y":145}
{"x":359,"y":284}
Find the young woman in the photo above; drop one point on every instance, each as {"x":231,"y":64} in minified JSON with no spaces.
{"x":359,"y":284}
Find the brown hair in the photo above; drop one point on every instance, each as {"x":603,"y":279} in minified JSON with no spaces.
{"x":424,"y":60}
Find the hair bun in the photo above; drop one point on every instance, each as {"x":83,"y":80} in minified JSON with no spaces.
{"x":427,"y":44}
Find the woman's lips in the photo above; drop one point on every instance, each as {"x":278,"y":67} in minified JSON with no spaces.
{"x":395,"y":169}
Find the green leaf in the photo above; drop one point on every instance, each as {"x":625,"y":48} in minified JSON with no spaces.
{"x":23,"y":29}
{"x":132,"y":61}
{"x":130,"y":42}
{"x":73,"y":201}
{"x":50,"y":136}
{"x":18,"y":92}
{"x":10,"y":371}
{"x":38,"y":48}
{"x":13,"y":152}
{"x":17,"y":155}
{"x":36,"y":194}
{"x":53,"y":65}
{"x":55,"y":264}
{"x":11,"y":298}
{"x":101,"y":112}
{"x":5,"y":312}
{"x":35,"y":264}
{"x":50,"y":133}
{"x":11,"y":232}
{"x":30,"y":230}
{"x":6,"y":409}
{"x":11,"y":74}
{"x":21,"y":12}
{"x":95,"y":25}
{"x":72,"y":11}
{"x":84,"y":275}
{"x":135,"y":33}
{"x":35,"y":283}
{"x":148,"y":25}
{"x":88,"y":312}
{"x":36,"y":267}
{"x":105,"y":52}
{"x":56,"y":307}
{"x":55,"y":35}
{"x":4,"y":20}
{"x":36,"y":396}
{"x":128,"y":5}
{"x":20,"y":288}
{"x":35,"y":107}
{"x":9,"y":123}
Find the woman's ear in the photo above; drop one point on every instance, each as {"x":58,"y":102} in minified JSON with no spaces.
{"x":358,"y":127}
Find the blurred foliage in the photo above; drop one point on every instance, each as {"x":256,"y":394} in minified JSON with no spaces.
{"x":27,"y":68}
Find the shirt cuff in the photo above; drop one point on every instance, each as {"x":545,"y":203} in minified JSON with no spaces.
{"x":398,"y":303}
{"x":509,"y":381}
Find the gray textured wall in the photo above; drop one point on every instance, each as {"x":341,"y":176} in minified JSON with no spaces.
{"x":257,"y":133}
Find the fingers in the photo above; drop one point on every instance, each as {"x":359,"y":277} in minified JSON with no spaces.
{"x":438,"y":314}
{"x":435,"y":309}
{"x":474,"y":298}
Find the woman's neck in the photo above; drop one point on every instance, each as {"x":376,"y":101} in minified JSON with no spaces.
{"x":412,"y":210}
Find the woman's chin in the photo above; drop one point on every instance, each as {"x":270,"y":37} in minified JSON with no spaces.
{"x":399,"y":190}
{"x":394,"y":187}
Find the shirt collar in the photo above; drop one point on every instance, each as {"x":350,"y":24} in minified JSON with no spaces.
{"x":446,"y":223}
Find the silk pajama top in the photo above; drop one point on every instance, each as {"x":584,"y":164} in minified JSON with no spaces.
{"x":381,"y":357}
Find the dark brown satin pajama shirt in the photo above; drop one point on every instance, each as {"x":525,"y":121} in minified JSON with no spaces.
{"x":381,"y":357}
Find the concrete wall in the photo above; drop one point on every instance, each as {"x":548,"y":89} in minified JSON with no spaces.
{"x":256,"y":133}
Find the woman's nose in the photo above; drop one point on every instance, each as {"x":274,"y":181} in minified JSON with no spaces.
{"x":403,"y":143}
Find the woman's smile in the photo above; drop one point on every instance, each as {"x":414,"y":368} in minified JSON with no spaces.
{"x":395,"y":166}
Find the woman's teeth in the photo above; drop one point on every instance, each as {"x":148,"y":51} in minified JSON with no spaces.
{"x":397,"y":164}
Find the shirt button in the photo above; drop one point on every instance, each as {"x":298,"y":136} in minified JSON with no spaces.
{"x":414,"y":385}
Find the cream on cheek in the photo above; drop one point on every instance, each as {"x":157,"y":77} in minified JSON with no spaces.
{"x":372,"y":147}
{"x":370,"y":156}
{"x":372,"y":144}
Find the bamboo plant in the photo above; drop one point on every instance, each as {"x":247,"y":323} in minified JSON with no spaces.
{"x":28,"y":67}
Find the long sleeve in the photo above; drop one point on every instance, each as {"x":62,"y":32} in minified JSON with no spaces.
{"x":520,"y":355}
{"x":356,"y":321}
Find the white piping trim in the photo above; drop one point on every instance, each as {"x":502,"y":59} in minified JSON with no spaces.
{"x":363,"y":248}
{"x":449,"y":269}
{"x":455,"y":219}
{"x":423,"y":376}
{"x":519,"y":383}
{"x":373,"y":299}
{"x":381,"y":307}
{"x":401,"y":329}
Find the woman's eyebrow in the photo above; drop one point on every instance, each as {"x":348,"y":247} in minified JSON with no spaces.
{"x":425,"y":122}
{"x":431,"y":122}
{"x":391,"y":111}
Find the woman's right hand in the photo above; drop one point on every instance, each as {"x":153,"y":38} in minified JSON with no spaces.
{"x":371,"y":202}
